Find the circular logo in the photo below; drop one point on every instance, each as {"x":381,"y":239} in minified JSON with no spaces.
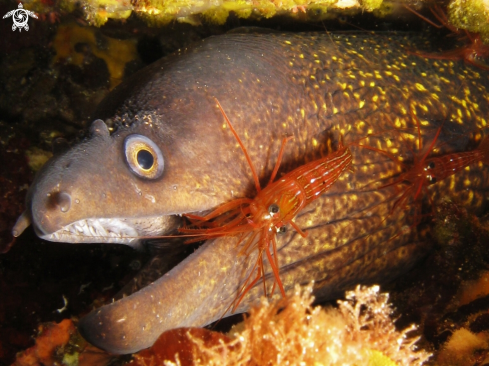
{"x":20,"y":17}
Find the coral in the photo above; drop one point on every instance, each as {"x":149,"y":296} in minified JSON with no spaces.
{"x":472,"y":290}
{"x":385,"y":9}
{"x":216,"y":16}
{"x":98,"y":12}
{"x":359,"y":332}
{"x":464,"y":348}
{"x":370,"y":5}
{"x":50,"y":338}
{"x":37,"y":157}
{"x":61,"y":344}
{"x":471,"y":15}
{"x":182,"y":346}
{"x":78,"y":45}
{"x":465,"y":14}
{"x":449,"y":294}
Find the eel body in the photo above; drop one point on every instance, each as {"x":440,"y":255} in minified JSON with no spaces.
{"x":317,"y":87}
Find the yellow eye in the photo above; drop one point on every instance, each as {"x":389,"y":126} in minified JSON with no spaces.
{"x":143,"y":156}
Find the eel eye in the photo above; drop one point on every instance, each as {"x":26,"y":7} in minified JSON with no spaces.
{"x":143,"y":156}
{"x":273,"y":209}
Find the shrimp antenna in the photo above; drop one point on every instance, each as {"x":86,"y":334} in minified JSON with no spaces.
{"x":255,"y":176}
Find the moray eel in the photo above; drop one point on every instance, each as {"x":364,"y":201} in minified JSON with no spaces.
{"x":172,"y":153}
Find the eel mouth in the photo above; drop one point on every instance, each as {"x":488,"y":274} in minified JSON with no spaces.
{"x":95,"y":230}
{"x":129,"y":231}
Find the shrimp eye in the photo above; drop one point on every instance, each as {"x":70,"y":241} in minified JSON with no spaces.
{"x":273,"y":209}
{"x":431,"y":165}
{"x":281,"y":230}
{"x":431,"y":179}
{"x":143,"y":156}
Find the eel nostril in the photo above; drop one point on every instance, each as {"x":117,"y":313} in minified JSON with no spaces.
{"x":62,"y":200}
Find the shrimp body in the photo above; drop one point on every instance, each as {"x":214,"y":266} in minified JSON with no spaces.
{"x":279,"y":202}
{"x":258,"y":220}
{"x":439,"y":168}
{"x":426,"y":171}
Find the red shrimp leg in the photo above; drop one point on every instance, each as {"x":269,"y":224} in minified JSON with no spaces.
{"x":220,"y":210}
{"x":204,"y":234}
{"x":423,"y":17}
{"x":259,"y":265}
{"x":279,"y":159}
{"x":298,"y":229}
{"x":439,"y":14}
{"x":249,"y":242}
{"x":418,"y":191}
{"x":262,"y":272}
{"x":274,"y":247}
{"x":255,"y":176}
{"x":471,"y":60}
{"x":247,"y":287}
{"x":200,"y":220}
{"x":399,"y":200}
{"x":432,"y":145}
{"x":389,"y":155}
{"x":276,"y":273}
{"x":275,"y":267}
{"x":475,"y":48}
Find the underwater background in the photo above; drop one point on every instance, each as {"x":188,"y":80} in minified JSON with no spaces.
{"x":53,"y":76}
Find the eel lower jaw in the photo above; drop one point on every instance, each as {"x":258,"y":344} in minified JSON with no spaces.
{"x":95,"y":231}
{"x":129,"y":231}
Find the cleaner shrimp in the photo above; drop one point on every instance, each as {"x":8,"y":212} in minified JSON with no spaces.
{"x":426,"y":170}
{"x":258,"y":220}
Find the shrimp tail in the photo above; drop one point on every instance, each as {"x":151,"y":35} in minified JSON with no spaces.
{"x":484,"y":150}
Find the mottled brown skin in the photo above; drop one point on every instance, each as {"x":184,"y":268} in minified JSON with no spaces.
{"x":313,"y":86}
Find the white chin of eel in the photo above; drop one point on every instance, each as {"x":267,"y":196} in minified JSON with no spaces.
{"x":127,"y":231}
